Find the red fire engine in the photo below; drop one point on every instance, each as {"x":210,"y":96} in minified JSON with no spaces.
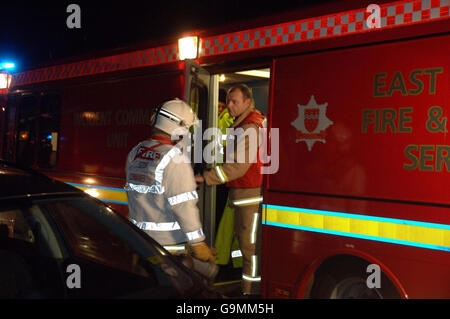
{"x":359,"y":98}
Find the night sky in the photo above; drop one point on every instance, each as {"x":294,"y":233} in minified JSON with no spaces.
{"x":34,"y":33}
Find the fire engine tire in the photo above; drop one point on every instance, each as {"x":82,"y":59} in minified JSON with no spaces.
{"x":346,"y":278}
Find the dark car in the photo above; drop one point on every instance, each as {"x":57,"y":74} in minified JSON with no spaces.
{"x":58,"y":242}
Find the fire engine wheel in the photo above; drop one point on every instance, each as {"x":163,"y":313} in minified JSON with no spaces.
{"x":347,"y":279}
{"x":354,"y":288}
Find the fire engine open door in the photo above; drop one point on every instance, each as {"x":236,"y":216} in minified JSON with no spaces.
{"x":201,"y":91}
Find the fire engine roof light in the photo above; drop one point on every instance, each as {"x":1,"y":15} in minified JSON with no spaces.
{"x":7,"y":66}
{"x":188,"y":47}
{"x":5,"y":80}
{"x":263,"y":73}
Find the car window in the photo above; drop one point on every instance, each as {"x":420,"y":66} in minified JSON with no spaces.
{"x":89,"y":239}
{"x":23,"y":250}
{"x":116,"y":258}
{"x":14,"y":225}
{"x":95,"y":232}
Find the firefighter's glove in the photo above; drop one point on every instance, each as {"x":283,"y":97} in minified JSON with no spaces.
{"x":202,"y":252}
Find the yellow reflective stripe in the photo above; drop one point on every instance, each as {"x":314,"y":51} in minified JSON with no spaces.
{"x":221,"y":174}
{"x":397,"y":231}
{"x":247,"y":201}
{"x":106,"y":195}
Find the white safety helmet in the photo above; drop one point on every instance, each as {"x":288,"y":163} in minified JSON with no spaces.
{"x":174,"y":117}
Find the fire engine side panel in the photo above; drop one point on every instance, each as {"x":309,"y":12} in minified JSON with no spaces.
{"x":422,"y":273}
{"x":369,"y":136}
{"x":367,"y":128}
{"x":102,"y":121}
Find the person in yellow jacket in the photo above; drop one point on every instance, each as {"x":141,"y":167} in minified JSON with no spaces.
{"x":245,"y":180}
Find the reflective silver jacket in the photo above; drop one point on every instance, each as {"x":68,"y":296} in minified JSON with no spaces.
{"x":162,"y":194}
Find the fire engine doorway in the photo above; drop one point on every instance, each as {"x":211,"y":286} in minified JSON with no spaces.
{"x":199,"y":93}
{"x":207,"y":96}
{"x":258,"y":80}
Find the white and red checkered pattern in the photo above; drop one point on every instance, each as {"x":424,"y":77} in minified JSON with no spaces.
{"x":142,"y":58}
{"x":394,"y":14}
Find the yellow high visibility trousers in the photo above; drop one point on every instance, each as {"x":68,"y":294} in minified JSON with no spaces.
{"x":227,"y":243}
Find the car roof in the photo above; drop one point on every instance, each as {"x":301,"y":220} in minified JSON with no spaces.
{"x":16,"y":181}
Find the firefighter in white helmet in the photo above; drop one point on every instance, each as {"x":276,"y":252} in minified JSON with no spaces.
{"x":161,"y":188}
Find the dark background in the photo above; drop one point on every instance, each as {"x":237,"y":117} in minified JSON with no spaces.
{"x":34,"y":33}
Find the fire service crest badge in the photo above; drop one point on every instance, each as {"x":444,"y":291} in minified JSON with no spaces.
{"x":311,"y":123}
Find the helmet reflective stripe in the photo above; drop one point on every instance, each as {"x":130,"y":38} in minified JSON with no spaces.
{"x":236,"y":254}
{"x":157,"y":226}
{"x":254,"y":228}
{"x":174,"y":200}
{"x":248,"y":201}
{"x":195,"y":234}
{"x":221,"y":174}
{"x":159,"y":172}
{"x":170,"y":116}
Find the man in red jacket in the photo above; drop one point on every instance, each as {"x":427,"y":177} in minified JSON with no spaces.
{"x":242,"y":174}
